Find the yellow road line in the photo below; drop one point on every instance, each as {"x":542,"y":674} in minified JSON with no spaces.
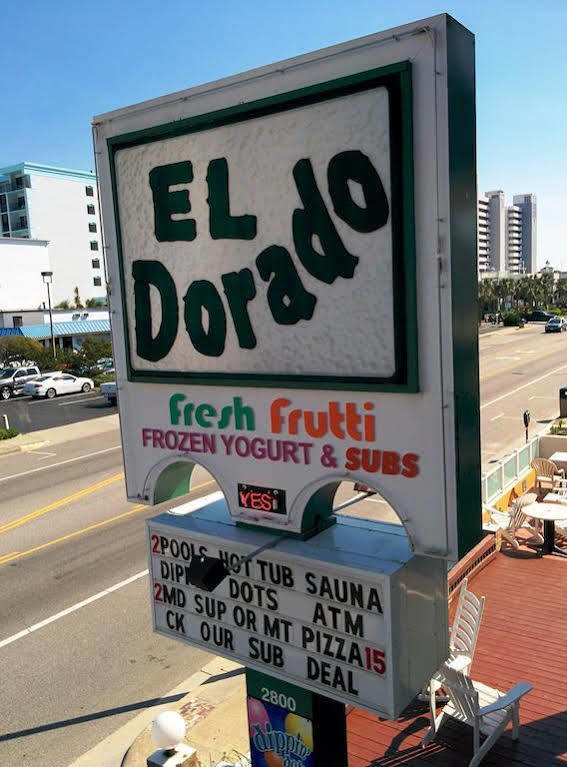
{"x":62,"y":502}
{"x":138,"y":507}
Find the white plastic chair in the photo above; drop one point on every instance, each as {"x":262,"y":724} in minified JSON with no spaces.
{"x":507,"y":526}
{"x":462,"y":637}
{"x":546,"y":471}
{"x":483,"y":708}
{"x":465,"y":628}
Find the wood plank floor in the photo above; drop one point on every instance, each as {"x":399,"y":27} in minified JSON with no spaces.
{"x":523,"y":637}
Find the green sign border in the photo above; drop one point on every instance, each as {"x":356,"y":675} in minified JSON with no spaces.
{"x":397,"y":80}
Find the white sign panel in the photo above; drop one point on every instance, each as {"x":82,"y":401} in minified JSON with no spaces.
{"x":292,"y":268}
{"x":359,"y":633}
{"x":309,"y":232}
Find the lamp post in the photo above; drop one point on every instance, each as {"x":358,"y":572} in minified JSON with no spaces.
{"x":48,"y":279}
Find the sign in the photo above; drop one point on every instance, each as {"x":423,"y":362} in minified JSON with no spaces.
{"x":350,"y":614}
{"x":292,"y":266}
{"x":261,"y":498}
{"x":280,"y":721}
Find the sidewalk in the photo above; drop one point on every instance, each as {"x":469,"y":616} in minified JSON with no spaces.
{"x":57,"y":434}
{"x":213,"y":705}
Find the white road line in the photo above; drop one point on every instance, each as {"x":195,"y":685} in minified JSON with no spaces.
{"x":506,"y":358}
{"x":71,"y":609}
{"x":42,"y":453}
{"x":523,"y":386}
{"x":542,"y":396}
{"x":79,"y":401}
{"x":61,"y":463}
{"x":496,"y":417}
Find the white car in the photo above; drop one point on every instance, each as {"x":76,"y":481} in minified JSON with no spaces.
{"x":52,"y":384}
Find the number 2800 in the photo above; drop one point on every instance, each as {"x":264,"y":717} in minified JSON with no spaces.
{"x":278,"y":699}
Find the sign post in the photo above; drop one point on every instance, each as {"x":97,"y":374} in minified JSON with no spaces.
{"x":292,"y":264}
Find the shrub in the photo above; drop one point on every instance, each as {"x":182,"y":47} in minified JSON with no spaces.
{"x":509,"y":319}
{"x":8,"y":433}
{"x":99,"y":378}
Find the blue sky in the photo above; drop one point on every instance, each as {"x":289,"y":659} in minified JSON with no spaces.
{"x":65,"y":61}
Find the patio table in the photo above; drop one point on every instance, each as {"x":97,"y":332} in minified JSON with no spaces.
{"x":548,"y":513}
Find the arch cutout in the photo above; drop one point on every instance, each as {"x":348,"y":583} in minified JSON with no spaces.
{"x":319,"y":500}
{"x":317,"y":505}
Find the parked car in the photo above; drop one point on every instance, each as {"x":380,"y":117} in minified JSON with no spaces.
{"x":13,"y":380}
{"x":108,"y":390}
{"x":556,"y":325}
{"x":51,"y":385}
{"x":537,"y":316}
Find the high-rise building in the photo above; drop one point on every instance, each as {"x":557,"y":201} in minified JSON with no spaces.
{"x":527,"y":205}
{"x":507,"y":234}
{"x":60,"y":205}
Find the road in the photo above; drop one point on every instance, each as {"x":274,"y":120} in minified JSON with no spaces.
{"x":76,"y":662}
{"x":26,"y":414}
{"x":519,"y":370}
{"x":66,"y":534}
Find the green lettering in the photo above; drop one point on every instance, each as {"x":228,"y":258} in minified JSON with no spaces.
{"x":146,"y":273}
{"x":187,"y":414}
{"x":202,"y":412}
{"x":167,"y":203}
{"x":356,"y":166}
{"x":222,"y":225}
{"x":240,"y":289}
{"x":174,"y":411}
{"x":241,"y":413}
{"x":314,"y":221}
{"x":226,"y":412}
{"x":202,"y":294}
{"x":288,"y":300}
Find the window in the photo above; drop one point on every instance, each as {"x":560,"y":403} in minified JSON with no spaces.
{"x":33,"y":371}
{"x":96,"y":263}
{"x":90,"y":209}
{"x":97,"y":281}
{"x":20,"y":374}
{"x":23,"y":222}
{"x":21,"y":202}
{"x":92,"y":226}
{"x":89,"y":191}
{"x":94,"y":245}
{"x":20,"y":182}
{"x":17,"y":321}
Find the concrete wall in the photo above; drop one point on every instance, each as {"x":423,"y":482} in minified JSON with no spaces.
{"x":58,"y":212}
{"x":21,"y":283}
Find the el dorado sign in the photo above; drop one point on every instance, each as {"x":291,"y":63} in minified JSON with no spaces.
{"x":292,"y":265}
{"x":350,"y":614}
{"x":244,"y":237}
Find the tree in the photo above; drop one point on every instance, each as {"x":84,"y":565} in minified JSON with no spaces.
{"x":92,"y":303}
{"x":92,"y":350}
{"x":547,"y":284}
{"x":77,"y":299}
{"x":486,"y":295}
{"x":19,"y":349}
{"x":63,"y":305}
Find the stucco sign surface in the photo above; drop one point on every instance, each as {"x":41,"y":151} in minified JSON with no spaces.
{"x":264,"y":246}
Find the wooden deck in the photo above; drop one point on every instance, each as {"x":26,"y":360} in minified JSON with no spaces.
{"x":523,"y":637}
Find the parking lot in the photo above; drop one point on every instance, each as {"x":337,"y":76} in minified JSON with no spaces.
{"x":26,"y":414}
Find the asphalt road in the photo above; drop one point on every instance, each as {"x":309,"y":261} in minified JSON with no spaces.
{"x":75,"y":662}
{"x":26,"y":414}
{"x":66,"y":534}
{"x":519,"y":370}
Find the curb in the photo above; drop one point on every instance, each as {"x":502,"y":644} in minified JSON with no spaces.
{"x":113,"y":750}
{"x":28,"y":446}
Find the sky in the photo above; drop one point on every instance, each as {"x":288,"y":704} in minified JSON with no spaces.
{"x":65,"y":61}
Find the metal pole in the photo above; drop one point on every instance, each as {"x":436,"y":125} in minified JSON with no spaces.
{"x":51,"y":321}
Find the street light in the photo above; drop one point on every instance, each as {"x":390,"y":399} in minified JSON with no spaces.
{"x":48,"y":279}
